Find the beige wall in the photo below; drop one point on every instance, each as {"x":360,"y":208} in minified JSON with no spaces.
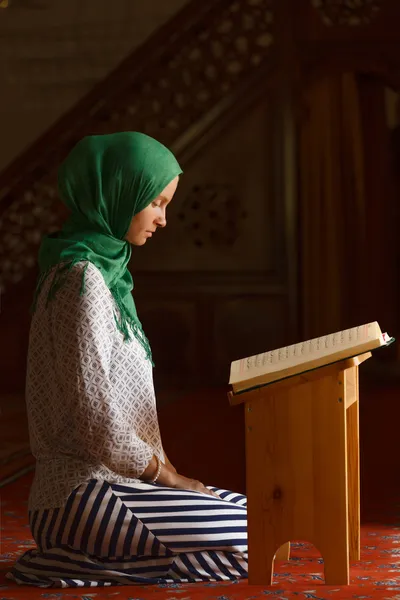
{"x":53,"y":51}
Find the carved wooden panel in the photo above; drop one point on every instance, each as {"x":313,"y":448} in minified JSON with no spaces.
{"x":229,"y":224}
{"x":195,"y":338}
{"x":235,"y":282}
{"x":198,"y":325}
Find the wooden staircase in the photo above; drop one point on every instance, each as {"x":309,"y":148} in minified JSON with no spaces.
{"x":175,"y":87}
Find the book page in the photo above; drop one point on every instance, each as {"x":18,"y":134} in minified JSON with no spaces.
{"x":296,"y":354}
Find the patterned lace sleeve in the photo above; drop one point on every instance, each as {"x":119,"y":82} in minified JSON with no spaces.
{"x":84,"y":332}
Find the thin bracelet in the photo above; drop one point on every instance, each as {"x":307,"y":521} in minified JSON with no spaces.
{"x":159,"y":466}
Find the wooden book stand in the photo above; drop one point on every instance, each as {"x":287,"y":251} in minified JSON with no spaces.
{"x":303,"y":469}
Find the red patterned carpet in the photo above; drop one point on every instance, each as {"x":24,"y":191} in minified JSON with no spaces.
{"x":217,"y":446}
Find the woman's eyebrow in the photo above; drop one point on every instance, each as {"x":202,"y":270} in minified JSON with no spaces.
{"x":164,"y":198}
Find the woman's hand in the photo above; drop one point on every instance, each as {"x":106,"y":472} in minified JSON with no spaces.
{"x":170,"y":478}
{"x":184,"y":483}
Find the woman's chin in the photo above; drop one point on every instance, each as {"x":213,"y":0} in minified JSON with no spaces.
{"x":138,"y":241}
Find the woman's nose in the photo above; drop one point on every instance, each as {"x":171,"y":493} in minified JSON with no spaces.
{"x":161,"y":220}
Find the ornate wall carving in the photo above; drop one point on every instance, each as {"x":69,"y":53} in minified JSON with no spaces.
{"x":22,"y":227}
{"x":347,"y":12}
{"x":212,"y":215}
{"x":219,"y":54}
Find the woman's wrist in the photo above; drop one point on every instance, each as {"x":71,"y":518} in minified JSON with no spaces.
{"x":158,"y":472}
{"x":167,"y":476}
{"x":164,"y":475}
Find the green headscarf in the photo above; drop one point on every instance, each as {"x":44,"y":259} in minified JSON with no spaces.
{"x":105,"y":181}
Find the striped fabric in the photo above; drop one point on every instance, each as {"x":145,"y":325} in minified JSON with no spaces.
{"x":113,"y":534}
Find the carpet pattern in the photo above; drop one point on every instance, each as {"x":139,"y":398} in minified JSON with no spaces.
{"x":376,"y":576}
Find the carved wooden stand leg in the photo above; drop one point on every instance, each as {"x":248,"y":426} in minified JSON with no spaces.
{"x":353,"y":459}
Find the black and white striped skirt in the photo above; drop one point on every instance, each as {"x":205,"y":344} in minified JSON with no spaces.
{"x":112,"y":534}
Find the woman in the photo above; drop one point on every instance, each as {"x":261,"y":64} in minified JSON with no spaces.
{"x":106,"y":506}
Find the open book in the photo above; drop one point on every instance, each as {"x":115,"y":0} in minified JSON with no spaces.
{"x":266,"y":368}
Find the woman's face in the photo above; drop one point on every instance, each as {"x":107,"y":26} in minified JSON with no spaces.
{"x":145,"y":223}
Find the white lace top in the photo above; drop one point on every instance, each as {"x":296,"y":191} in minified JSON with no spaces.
{"x":90,"y":395}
